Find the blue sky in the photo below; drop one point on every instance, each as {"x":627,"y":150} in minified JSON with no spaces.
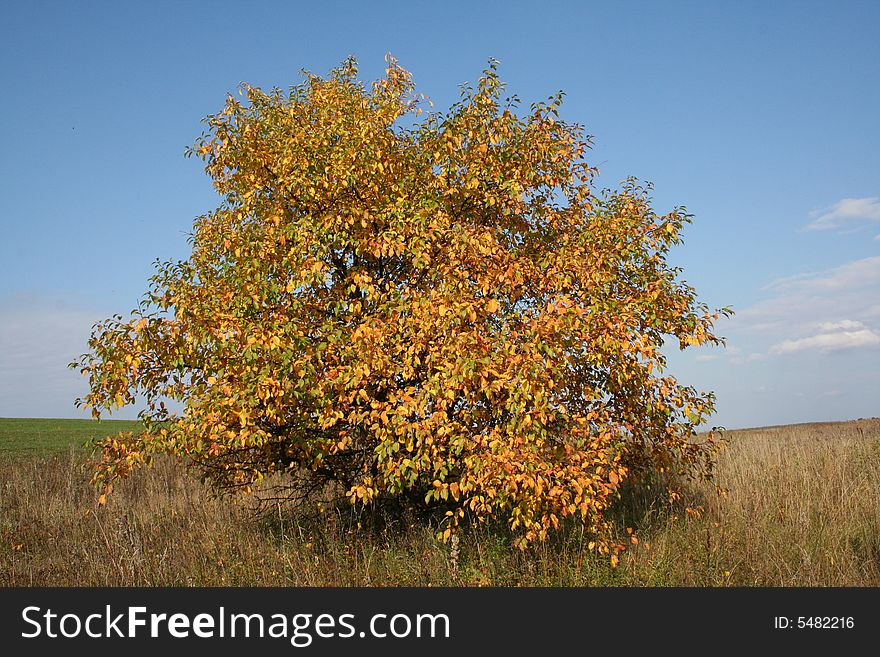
{"x":760,"y":118}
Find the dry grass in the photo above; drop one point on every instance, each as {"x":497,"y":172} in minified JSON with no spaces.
{"x":801,"y":509}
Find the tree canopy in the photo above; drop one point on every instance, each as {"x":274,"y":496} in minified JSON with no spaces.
{"x":412,"y":303}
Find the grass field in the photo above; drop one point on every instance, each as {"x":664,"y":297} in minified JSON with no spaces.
{"x":801,"y":509}
{"x":19,"y":436}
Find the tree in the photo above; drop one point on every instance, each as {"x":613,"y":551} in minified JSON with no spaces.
{"x":409,"y":303}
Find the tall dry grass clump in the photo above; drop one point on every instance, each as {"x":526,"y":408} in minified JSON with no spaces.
{"x":799,"y":507}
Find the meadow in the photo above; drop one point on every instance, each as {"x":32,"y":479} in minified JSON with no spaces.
{"x":20,"y":436}
{"x":798,"y":507}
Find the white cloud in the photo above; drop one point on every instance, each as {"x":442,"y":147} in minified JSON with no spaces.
{"x":707,"y":358}
{"x":795,"y":306}
{"x":829,"y":341}
{"x":811,"y":333}
{"x":751,"y":358}
{"x":786,"y":281}
{"x":843,"y":325}
{"x":829,"y":311}
{"x":857,"y":273}
{"x":846,"y":213}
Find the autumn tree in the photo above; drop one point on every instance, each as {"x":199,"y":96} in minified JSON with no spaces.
{"x":412,"y":303}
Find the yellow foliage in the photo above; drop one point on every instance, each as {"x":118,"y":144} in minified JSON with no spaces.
{"x":433,"y":304}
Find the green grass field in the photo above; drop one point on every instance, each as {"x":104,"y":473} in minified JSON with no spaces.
{"x":30,"y":435}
